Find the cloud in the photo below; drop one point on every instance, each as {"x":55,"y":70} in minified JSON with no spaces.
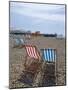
{"x":35,"y":6}
{"x":39,"y":11}
{"x":38,"y":15}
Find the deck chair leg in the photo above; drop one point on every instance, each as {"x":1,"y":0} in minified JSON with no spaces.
{"x":25,"y":61}
{"x":38,"y":78}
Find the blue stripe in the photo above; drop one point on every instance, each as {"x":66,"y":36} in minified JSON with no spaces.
{"x":46,"y":54}
{"x":46,"y":57}
{"x":53,"y":54}
{"x":49,"y":54}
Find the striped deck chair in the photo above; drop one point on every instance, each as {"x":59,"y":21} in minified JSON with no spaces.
{"x":30,"y":71}
{"x":18,"y":42}
{"x":49,"y":54}
{"x":33,"y":54}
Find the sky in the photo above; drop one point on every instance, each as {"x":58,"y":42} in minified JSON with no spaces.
{"x":46,"y":18}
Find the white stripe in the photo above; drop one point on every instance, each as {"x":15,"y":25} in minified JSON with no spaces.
{"x":32,"y":49}
{"x":50,"y":55}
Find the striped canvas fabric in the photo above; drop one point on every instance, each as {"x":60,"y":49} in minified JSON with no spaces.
{"x":49,"y":54}
{"x":19,"y":41}
{"x":32,"y":52}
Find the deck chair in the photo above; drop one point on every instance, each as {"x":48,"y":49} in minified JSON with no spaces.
{"x":49,"y":56}
{"x":18,"y":42}
{"x":33,"y":67}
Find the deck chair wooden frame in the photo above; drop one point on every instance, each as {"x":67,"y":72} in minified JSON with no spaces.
{"x":54,"y":61}
{"x":39,"y":61}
